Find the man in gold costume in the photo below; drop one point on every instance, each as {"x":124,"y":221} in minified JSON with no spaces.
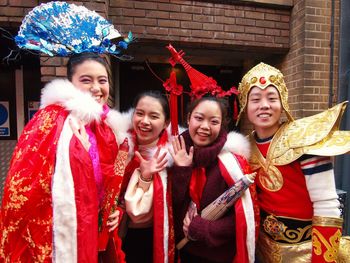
{"x":300,"y":216}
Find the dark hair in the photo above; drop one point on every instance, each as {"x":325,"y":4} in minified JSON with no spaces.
{"x":222,"y":105}
{"x":159,"y":97}
{"x":80,"y":58}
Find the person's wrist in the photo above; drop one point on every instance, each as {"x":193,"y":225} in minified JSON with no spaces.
{"x":146,"y":179}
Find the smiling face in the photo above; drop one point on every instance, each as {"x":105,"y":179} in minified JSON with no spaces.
{"x":204,"y":123}
{"x":148,"y":120}
{"x":91,"y":76}
{"x":264,"y":110}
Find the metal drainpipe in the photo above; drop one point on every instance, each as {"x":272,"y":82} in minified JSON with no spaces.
{"x":330,"y":99}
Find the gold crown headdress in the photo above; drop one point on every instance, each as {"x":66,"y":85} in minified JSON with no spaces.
{"x":263,"y":76}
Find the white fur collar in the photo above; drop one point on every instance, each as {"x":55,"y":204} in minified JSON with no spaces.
{"x":237,"y":143}
{"x":81,"y":104}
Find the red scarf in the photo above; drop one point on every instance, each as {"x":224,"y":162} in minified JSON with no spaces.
{"x":197,"y":183}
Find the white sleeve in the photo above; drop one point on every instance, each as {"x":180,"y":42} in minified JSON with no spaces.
{"x":139,"y":199}
{"x":321,"y":187}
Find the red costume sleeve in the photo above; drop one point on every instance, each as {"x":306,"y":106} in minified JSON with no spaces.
{"x":26,"y":214}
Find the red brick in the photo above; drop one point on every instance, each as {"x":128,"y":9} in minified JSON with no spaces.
{"x":47,"y":71}
{"x":285,"y":18}
{"x":316,"y":35}
{"x":254,"y":30}
{"x":191,"y":9}
{"x":11,"y":11}
{"x":157,"y":31}
{"x":145,"y":5}
{"x":203,"y":18}
{"x":234,"y":13}
{"x":316,"y":19}
{"x":244,"y":37}
{"x":264,"y":39}
{"x":119,"y":20}
{"x":179,"y":32}
{"x":181,"y":16}
{"x":245,"y":22}
{"x":23,"y":3}
{"x":136,"y":29}
{"x":61,"y":71}
{"x":51,"y":61}
{"x":134,"y":12}
{"x":268,"y":24}
{"x":281,"y":25}
{"x":213,"y":26}
{"x":272,"y":32}
{"x":115,"y":12}
{"x":224,"y":35}
{"x":16,"y":20}
{"x":191,"y":25}
{"x":168,"y":23}
{"x":145,"y":21}
{"x":254,"y":15}
{"x":234,"y":28}
{"x":169,"y":7}
{"x":121,"y":3}
{"x":225,"y":20}
{"x":202,"y":34}
{"x":214,"y":11}
{"x":157,"y":14}
{"x":273,"y":17}
{"x":3,"y":2}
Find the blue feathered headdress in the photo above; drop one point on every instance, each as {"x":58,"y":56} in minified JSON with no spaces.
{"x":61,"y":29}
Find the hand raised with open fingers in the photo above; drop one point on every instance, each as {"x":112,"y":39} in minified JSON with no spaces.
{"x":154,"y":165}
{"x":179,"y":153}
{"x":79,"y":131}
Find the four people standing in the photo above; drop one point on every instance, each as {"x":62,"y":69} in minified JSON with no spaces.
{"x":57,"y":176}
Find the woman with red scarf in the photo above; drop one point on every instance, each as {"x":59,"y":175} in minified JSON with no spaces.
{"x":207,"y":162}
{"x":144,"y":191}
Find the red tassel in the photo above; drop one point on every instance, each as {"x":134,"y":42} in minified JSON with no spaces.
{"x":175,"y":90}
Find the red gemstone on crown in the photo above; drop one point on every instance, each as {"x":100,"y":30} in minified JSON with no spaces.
{"x":262,"y":80}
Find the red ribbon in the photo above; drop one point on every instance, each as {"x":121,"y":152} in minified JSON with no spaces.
{"x":197,"y":183}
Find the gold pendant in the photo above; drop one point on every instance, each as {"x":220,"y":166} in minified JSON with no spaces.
{"x":271,"y":179}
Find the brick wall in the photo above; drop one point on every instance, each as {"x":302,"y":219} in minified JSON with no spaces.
{"x":204,"y":22}
{"x":307,"y":64}
{"x":302,"y":33}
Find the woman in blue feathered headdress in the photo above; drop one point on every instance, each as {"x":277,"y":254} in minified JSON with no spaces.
{"x":55,"y":187}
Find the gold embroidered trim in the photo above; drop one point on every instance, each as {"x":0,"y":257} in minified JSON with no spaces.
{"x":280,"y":232}
{"x":327,"y":221}
{"x":331,"y":245}
{"x":269,"y":175}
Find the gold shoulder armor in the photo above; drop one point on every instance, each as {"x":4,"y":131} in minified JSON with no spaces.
{"x":318,"y":135}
